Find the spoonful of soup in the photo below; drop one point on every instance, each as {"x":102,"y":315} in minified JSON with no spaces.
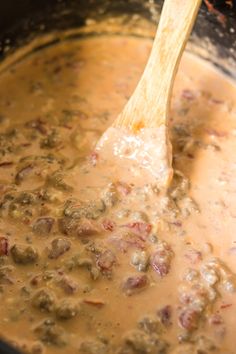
{"x":138,"y":140}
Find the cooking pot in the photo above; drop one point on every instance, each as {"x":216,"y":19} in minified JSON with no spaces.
{"x":22,"y":21}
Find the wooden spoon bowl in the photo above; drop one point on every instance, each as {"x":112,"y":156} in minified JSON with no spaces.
{"x":140,"y":132}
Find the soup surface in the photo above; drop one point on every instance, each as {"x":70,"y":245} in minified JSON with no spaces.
{"x":91,"y":262}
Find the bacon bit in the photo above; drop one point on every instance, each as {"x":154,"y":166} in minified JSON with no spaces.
{"x":225,"y":306}
{"x":4,"y":246}
{"x":142,"y":229}
{"x":93,"y":158}
{"x":193,"y":256}
{"x":216,"y":133}
{"x":188,"y":95}
{"x":220,"y":17}
{"x":216,"y":319}
{"x":123,"y":188}
{"x":108,"y":225}
{"x":6,"y":164}
{"x":188,"y":319}
{"x":165,"y":314}
{"x":96,"y":303}
{"x":106,"y":260}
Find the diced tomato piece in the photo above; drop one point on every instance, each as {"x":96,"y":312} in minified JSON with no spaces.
{"x":4,"y":246}
{"x":193,"y":256}
{"x":94,"y":302}
{"x":225,"y":306}
{"x":216,"y":319}
{"x":142,"y":229}
{"x":108,"y":225}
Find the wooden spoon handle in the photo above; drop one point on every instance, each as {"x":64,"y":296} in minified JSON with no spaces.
{"x":149,"y":104}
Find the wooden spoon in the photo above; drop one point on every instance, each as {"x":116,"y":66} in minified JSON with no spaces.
{"x":140,"y":132}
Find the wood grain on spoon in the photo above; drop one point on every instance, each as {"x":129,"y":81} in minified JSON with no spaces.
{"x":140,"y":132}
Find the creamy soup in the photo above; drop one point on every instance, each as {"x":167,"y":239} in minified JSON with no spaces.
{"x":92,"y":262}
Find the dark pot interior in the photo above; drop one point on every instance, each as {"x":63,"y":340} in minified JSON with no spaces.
{"x":21,"y":21}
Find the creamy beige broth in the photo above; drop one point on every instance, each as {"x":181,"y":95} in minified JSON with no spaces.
{"x":89,"y":261}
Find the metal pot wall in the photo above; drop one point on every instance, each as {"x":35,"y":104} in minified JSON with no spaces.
{"x":23,"y":20}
